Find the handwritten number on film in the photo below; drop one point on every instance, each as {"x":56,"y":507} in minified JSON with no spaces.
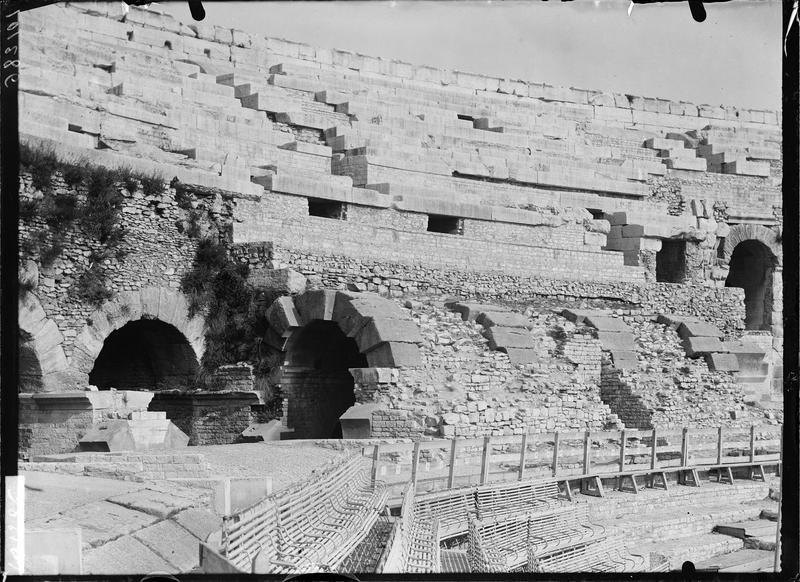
{"x":10,"y":61}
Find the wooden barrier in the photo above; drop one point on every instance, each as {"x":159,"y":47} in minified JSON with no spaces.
{"x":583,"y":456}
{"x":308,"y":527}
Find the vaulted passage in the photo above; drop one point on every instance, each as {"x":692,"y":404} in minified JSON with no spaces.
{"x":316,"y":380}
{"x":751,"y":267}
{"x":145,"y":355}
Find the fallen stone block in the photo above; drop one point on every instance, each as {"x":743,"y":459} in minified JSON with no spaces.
{"x":693,"y":328}
{"x":502,"y":337}
{"x":697,"y":346}
{"x":606,"y":323}
{"x":503,"y":319}
{"x":616,"y":341}
{"x":722,"y":362}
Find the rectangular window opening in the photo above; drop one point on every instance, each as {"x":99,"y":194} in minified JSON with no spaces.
{"x":327,"y":209}
{"x":445,"y":224}
{"x":671,"y":262}
{"x":596,"y":213}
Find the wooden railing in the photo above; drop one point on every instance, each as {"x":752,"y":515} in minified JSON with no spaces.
{"x":446,"y":463}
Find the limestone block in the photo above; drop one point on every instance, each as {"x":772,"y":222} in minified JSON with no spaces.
{"x":606,"y":323}
{"x":697,"y":346}
{"x":503,"y":319}
{"x":53,"y":552}
{"x":693,"y":164}
{"x":745,"y":168}
{"x":616,"y":341}
{"x":624,"y":359}
{"x":317,"y":304}
{"x":285,"y":281}
{"x":722,"y":362}
{"x":394,"y":354}
{"x":357,"y":421}
{"x":379,"y":330}
{"x":595,"y":239}
{"x":522,"y":355}
{"x":32,"y":316}
{"x":282,"y":316}
{"x":691,"y":328}
{"x":503,"y":337}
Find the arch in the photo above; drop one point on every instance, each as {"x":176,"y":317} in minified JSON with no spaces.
{"x":325,"y":334}
{"x":146,"y":354}
{"x":43,"y":366}
{"x":743,"y":232}
{"x":751,"y":265}
{"x":153,"y":303}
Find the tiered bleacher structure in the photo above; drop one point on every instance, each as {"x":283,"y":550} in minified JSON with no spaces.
{"x":544,"y":288}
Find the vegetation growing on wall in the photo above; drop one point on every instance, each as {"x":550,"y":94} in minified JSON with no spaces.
{"x":98,"y":212}
{"x":217,"y":286}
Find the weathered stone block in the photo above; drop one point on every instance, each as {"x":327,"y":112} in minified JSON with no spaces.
{"x":616,"y":341}
{"x":316,"y":304}
{"x":285,"y":281}
{"x":470,"y":311}
{"x":624,"y":359}
{"x":697,"y":346}
{"x":606,"y":323}
{"x":722,"y":362}
{"x":283,"y":316}
{"x":502,"y":337}
{"x":691,"y":328}
{"x":522,"y":355}
{"x":394,"y":354}
{"x":503,"y":319}
{"x":387,"y":330}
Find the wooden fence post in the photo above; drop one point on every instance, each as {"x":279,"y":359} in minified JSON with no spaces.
{"x":622,"y":451}
{"x":654,"y":452}
{"x":415,"y":463}
{"x":485,"y":460}
{"x":451,"y":477}
{"x":555,"y":455}
{"x":586,"y":449}
{"x":375,"y":463}
{"x":522,"y":455}
{"x":685,"y":447}
{"x":752,"y":442}
{"x":719,"y":446}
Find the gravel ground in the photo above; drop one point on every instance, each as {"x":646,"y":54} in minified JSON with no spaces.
{"x":285,"y":463}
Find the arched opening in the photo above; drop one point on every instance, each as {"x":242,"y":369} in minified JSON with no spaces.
{"x":146,"y":354}
{"x":316,"y":379}
{"x":751,"y":267}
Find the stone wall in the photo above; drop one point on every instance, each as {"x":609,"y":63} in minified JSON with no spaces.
{"x":724,"y":306}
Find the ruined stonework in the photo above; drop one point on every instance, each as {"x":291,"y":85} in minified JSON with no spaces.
{"x":301,"y":235}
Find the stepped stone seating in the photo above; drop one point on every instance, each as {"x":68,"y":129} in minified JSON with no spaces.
{"x":311,"y":526}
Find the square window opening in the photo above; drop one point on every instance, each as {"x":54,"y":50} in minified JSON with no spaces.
{"x":327,"y":209}
{"x":445,"y":224}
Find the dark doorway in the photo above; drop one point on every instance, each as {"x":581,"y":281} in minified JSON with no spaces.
{"x":671,"y":262}
{"x":316,"y":379}
{"x":751,"y":268}
{"x":145,"y":355}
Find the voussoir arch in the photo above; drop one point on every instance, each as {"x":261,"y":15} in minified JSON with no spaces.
{"x":383,"y":331}
{"x":163,"y":304}
{"x":743,"y":232}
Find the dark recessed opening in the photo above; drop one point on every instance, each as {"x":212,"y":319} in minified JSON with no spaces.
{"x":327,"y":209}
{"x":466,"y":117}
{"x":671,"y":262}
{"x":207,"y":52}
{"x":130,"y":35}
{"x":168,"y":44}
{"x":445,"y":224}
{"x":596,"y":213}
